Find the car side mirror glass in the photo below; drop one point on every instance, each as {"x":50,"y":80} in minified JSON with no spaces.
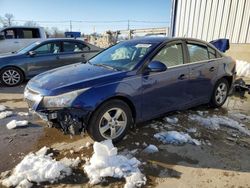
{"x":156,"y":66}
{"x":32,"y":53}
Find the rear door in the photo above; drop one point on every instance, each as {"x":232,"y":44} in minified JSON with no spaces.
{"x":166,"y":91}
{"x":73,"y":52}
{"x":203,"y":70}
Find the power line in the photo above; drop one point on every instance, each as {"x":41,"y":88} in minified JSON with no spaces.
{"x":89,"y":21}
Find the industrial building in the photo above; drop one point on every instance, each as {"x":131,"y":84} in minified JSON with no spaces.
{"x":212,"y":19}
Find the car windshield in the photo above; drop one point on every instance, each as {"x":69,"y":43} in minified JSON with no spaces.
{"x":28,"y":48}
{"x":123,"y":56}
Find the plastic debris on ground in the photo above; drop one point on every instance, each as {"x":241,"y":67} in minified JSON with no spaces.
{"x":14,"y":124}
{"x":23,"y":113}
{"x":36,"y":168}
{"x":171,"y":120}
{"x":151,"y":149}
{"x":2,"y":108}
{"x":174,"y":137}
{"x":214,"y":122}
{"x":5,"y":114}
{"x":106,"y":162}
{"x":243,"y":68}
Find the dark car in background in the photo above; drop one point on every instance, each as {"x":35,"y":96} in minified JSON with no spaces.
{"x":131,"y":82}
{"x":42,"y":56}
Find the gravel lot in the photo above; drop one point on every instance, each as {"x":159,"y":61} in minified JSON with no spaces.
{"x":222,"y":159}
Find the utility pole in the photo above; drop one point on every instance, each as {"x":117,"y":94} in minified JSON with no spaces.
{"x":70,"y":25}
{"x":128,"y":25}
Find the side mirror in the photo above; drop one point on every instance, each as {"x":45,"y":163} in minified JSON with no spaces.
{"x":156,"y":66}
{"x":2,"y":37}
{"x":32,"y":53}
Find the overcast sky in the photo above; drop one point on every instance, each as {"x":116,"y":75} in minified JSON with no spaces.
{"x":90,"y":13}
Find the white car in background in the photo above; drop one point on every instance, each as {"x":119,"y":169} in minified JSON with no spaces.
{"x":17,"y":37}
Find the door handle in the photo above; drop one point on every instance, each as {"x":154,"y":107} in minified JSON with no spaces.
{"x":182,"y":77}
{"x":212,"y":69}
{"x":57,"y":57}
{"x":83,"y":55}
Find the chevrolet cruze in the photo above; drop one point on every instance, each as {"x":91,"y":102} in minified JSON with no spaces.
{"x":131,"y":82}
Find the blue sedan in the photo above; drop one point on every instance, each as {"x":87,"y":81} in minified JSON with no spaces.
{"x":131,"y":82}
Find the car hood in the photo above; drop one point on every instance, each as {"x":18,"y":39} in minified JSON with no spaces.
{"x":72,"y":77}
{"x":6,"y":56}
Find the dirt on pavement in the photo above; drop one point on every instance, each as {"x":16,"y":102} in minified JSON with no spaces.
{"x":222,"y":160}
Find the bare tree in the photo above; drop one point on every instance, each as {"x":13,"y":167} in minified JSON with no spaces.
{"x":7,"y":20}
{"x":31,"y":24}
{"x":56,"y":33}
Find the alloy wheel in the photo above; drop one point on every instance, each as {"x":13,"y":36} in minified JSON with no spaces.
{"x":221,"y":93}
{"x":11,"y":77}
{"x":113,"y":123}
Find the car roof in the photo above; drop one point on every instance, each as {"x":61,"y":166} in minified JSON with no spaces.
{"x":151,"y":39}
{"x":59,"y":39}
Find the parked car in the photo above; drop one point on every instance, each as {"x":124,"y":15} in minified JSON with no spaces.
{"x":43,"y":56}
{"x":14,"y":38}
{"x":131,"y":82}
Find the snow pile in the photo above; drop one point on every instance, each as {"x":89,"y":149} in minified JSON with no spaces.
{"x":5,"y":114}
{"x":243,"y":68}
{"x":14,"y":124}
{"x":105,"y":162}
{"x":240,"y":116}
{"x":2,"y":108}
{"x":214,"y":122}
{"x":174,"y":137}
{"x":71,"y":162}
{"x":171,"y":120}
{"x":36,"y":167}
{"x":151,"y":149}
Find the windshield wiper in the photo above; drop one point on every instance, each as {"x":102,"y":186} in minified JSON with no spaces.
{"x":106,"y":66}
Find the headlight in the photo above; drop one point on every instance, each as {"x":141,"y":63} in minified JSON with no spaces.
{"x":63,"y":100}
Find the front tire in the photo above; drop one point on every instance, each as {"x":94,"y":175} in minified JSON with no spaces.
{"x":220,"y":93}
{"x":11,"y":76}
{"x":110,"y":121}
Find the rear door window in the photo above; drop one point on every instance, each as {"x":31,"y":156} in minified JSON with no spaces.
{"x":170,"y":55}
{"x":197,"y":52}
{"x":75,"y":47}
{"x":27,"y":33}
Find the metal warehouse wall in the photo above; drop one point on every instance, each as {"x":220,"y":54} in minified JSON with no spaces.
{"x":212,"y":19}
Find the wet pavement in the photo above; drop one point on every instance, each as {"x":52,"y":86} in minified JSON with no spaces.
{"x":223,"y":155}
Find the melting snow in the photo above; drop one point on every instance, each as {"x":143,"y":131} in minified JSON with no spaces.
{"x":174,"y":137}
{"x":214,"y":122}
{"x":5,"y":114}
{"x":171,"y":120}
{"x":243,"y":68}
{"x":105,"y":162}
{"x":71,"y":162}
{"x":36,"y":167}
{"x":14,"y":124}
{"x":151,"y":149}
{"x":2,"y":108}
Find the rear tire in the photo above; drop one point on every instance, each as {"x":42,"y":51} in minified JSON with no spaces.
{"x":220,"y":93}
{"x":11,"y":76}
{"x":110,"y":121}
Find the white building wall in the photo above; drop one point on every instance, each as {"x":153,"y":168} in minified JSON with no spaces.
{"x":213,"y":19}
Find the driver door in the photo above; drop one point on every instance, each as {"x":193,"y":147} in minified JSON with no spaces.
{"x":45,"y":58}
{"x":166,"y":91}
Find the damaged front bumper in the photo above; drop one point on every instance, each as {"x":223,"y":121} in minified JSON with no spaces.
{"x":69,"y":120}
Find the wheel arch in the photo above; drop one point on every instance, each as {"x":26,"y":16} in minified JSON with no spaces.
{"x":14,"y":66}
{"x":118,"y":97}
